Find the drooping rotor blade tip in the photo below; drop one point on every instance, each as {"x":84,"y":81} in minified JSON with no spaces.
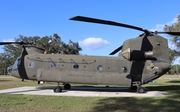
{"x":74,"y":18}
{"x":81,"y":18}
{"x":86,"y":19}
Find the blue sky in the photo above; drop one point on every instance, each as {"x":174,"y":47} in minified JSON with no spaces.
{"x":45,"y":17}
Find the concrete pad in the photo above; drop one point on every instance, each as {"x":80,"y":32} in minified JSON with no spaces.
{"x":81,"y":92}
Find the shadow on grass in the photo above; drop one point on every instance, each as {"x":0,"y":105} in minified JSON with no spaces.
{"x":91,"y":88}
{"x":172,"y":90}
{"x":170,"y":103}
{"x":137,"y":105}
{"x":164,"y":88}
{"x":5,"y":80}
{"x":174,"y":81}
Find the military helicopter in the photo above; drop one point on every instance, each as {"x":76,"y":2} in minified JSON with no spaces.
{"x":140,"y":61}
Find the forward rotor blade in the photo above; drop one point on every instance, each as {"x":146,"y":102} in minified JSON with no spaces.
{"x":116,"y":50}
{"x":170,"y":33}
{"x":93,"y":20}
{"x":4,"y":43}
{"x":21,"y":43}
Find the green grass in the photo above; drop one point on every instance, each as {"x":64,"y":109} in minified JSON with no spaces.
{"x":31,"y":103}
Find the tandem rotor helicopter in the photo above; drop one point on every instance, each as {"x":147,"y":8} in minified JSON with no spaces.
{"x":140,"y":61}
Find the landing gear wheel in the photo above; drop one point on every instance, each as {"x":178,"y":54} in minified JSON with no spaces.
{"x":141,"y":90}
{"x":67,"y":86}
{"x":57,"y":89}
{"x":133,"y":88}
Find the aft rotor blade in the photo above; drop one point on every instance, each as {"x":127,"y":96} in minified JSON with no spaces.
{"x":116,"y":50}
{"x":93,"y":20}
{"x":170,"y":33}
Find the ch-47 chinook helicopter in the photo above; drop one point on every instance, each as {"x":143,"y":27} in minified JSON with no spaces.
{"x":140,"y":61}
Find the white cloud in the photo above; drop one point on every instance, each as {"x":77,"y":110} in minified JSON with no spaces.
{"x":172,"y":46}
{"x":93,"y":43}
{"x":8,"y":40}
{"x":175,"y":20}
{"x":160,"y":27}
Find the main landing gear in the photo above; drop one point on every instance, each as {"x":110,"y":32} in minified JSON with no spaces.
{"x":141,"y":90}
{"x":137,"y":86}
{"x":58,"y":88}
{"x":67,"y":86}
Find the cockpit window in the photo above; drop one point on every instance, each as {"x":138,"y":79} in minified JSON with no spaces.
{"x":18,"y":61}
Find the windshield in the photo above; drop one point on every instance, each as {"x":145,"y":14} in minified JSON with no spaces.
{"x":18,"y":61}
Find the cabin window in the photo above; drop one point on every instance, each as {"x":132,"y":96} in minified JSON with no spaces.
{"x":53,"y":65}
{"x":99,"y":67}
{"x":19,"y":61}
{"x":124,"y":69}
{"x":76,"y":66}
{"x":31,"y":64}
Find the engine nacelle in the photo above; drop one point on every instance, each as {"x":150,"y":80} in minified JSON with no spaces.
{"x":137,"y":54}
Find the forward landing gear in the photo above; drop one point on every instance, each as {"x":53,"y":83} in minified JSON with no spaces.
{"x":67,"y":86}
{"x":58,"y":89}
{"x":133,"y":88}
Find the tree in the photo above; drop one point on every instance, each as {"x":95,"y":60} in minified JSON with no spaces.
{"x":5,"y":61}
{"x":74,"y":47}
{"x":71,"y":48}
{"x":173,"y":54}
{"x":175,"y":39}
{"x":175,"y":69}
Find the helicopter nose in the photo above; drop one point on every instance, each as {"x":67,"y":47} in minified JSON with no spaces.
{"x":9,"y":69}
{"x":14,"y":72}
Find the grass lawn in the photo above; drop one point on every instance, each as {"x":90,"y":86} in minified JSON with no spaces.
{"x":32,"y":103}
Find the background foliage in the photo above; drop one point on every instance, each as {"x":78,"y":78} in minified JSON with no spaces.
{"x":175,"y":53}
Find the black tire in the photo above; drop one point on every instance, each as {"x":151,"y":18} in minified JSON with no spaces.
{"x":133,"y":88}
{"x":57,"y":89}
{"x":141,"y":90}
{"x":67,"y":86}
